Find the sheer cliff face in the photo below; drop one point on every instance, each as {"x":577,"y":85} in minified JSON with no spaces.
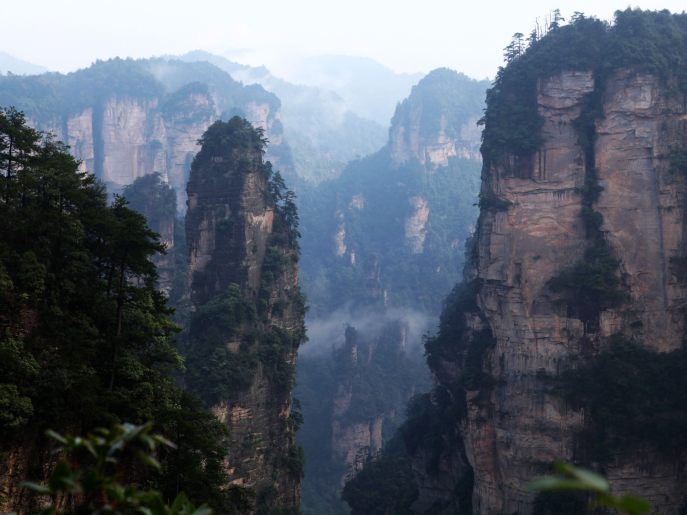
{"x":128,"y":118}
{"x":236,"y":233}
{"x":127,"y":138}
{"x":516,"y":428}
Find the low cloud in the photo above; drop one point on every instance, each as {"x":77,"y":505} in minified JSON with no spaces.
{"x":326,"y":333}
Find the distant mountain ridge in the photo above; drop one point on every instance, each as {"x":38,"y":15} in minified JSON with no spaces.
{"x":368,"y":87}
{"x":12,"y":64}
{"x":126,"y":118}
{"x":323,"y":131}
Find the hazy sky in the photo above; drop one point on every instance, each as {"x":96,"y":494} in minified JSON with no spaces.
{"x":406,"y":36}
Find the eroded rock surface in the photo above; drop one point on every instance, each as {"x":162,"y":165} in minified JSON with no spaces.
{"x":237,"y":240}
{"x":518,"y":426}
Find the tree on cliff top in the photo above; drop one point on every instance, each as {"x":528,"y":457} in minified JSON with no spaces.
{"x":644,"y":41}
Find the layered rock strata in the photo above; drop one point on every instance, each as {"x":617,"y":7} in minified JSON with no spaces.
{"x":240,"y":239}
{"x":516,"y":424}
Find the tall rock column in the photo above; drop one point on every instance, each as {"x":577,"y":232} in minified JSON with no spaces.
{"x":566,"y":343}
{"x":248,"y":313}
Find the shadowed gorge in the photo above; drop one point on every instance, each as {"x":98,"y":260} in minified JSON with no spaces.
{"x":382,"y":245}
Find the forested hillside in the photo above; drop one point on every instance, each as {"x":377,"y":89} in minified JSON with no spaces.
{"x":87,"y":340}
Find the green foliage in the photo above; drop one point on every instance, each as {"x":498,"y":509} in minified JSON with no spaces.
{"x":445,"y":100}
{"x":274,"y":350}
{"x":473,"y":375}
{"x":385,"y":485}
{"x":455,"y":342}
{"x":153,"y":198}
{"x":19,"y":367}
{"x":431,"y":425}
{"x":491,"y":202}
{"x":274,"y":264}
{"x":634,"y":396}
{"x":79,"y":289}
{"x":642,"y":41}
{"x":180,"y":104}
{"x":85,"y":338}
{"x":51,"y":95}
{"x":50,"y":98}
{"x":87,"y":477}
{"x":196,"y":465}
{"x":15,"y":409}
{"x":295,"y":462}
{"x":574,"y":479}
{"x":235,"y":139}
{"x":214,"y":371}
{"x":591,"y":285}
{"x":287,"y":220}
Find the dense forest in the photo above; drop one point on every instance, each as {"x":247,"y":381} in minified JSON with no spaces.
{"x":87,"y":339}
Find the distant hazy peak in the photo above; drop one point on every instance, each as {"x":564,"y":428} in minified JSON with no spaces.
{"x":438,"y":120}
{"x":369,"y":88}
{"x":9,"y":63}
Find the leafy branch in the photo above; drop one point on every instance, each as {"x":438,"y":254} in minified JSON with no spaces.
{"x":87,"y":478}
{"x":570,"y":478}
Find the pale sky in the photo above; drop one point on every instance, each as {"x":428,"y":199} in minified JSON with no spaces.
{"x":416,"y":36}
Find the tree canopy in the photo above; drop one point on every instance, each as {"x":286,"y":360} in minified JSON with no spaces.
{"x":85,"y":338}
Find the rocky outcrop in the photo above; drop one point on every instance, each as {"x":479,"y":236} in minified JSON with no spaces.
{"x":433,"y":150}
{"x":128,"y":138}
{"x":516,"y":424}
{"x":416,"y":225}
{"x":136,"y":118}
{"x":375,"y":374}
{"x":519,"y":251}
{"x":242,"y":243}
